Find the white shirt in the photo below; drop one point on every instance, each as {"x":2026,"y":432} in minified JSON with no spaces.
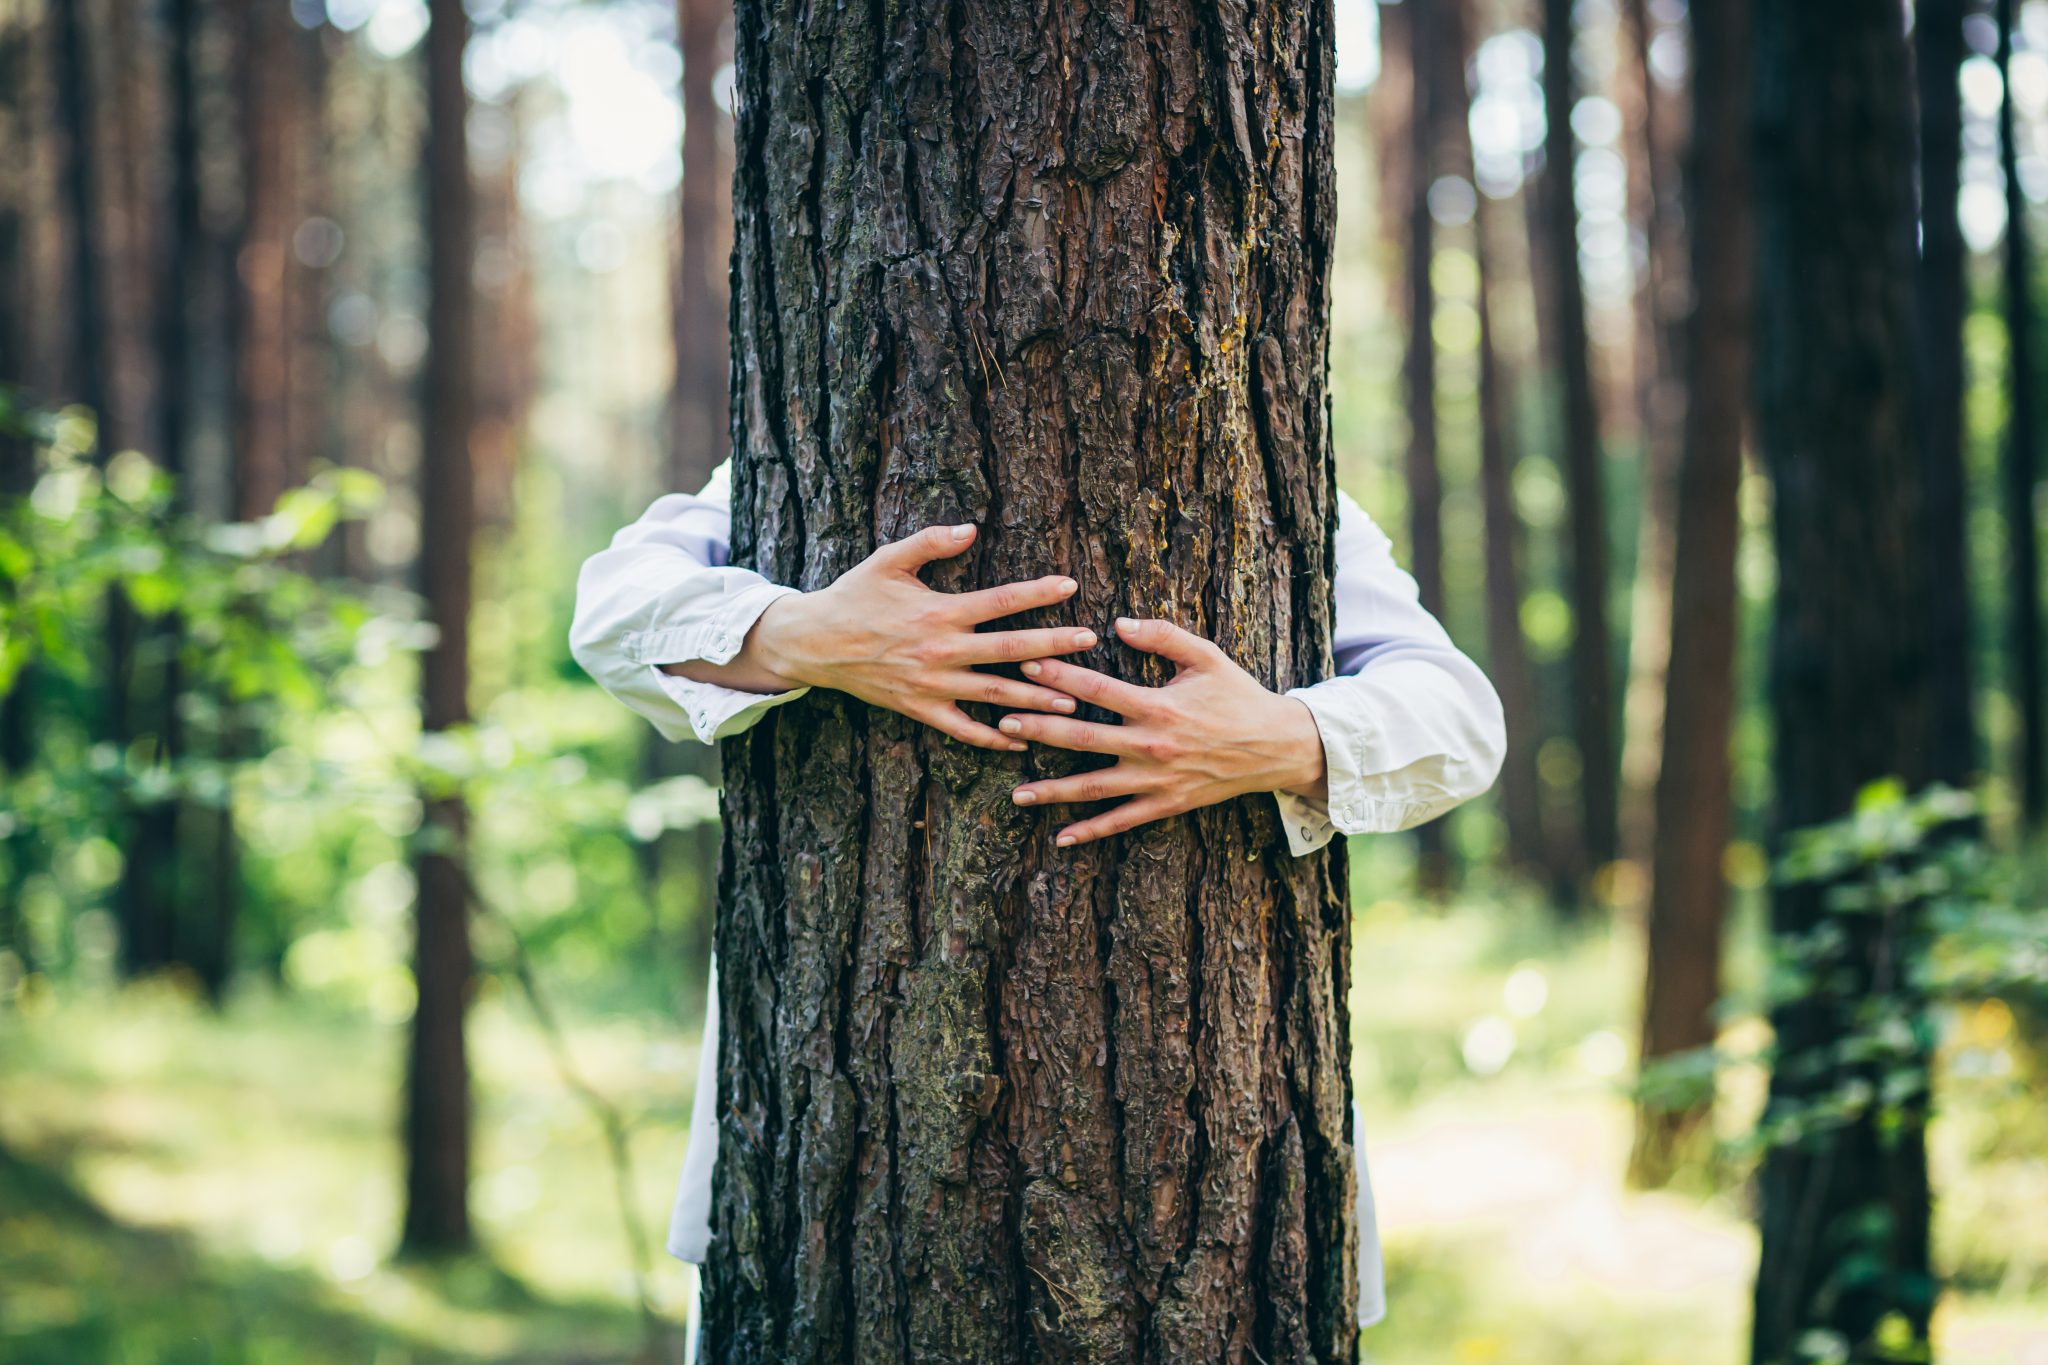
{"x":1410,"y":726}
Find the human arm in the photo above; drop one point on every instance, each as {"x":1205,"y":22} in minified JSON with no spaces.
{"x":1407,"y":728}
{"x":699,"y":646}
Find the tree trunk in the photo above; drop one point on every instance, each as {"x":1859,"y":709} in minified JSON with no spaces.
{"x":437,"y":1074}
{"x":681,"y":866}
{"x":1433,"y":52}
{"x":703,"y":351}
{"x":1507,"y":648}
{"x":1844,"y":1209}
{"x":1659,"y":405}
{"x":263,"y":336}
{"x":142,"y":905}
{"x":17,"y":454}
{"x":1389,"y":112}
{"x":154,"y":868}
{"x":1063,"y":276}
{"x":1938,"y":39}
{"x":2021,"y":465}
{"x":1693,"y":791}
{"x":1592,"y":676}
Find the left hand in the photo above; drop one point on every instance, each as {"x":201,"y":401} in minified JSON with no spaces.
{"x":1209,"y":734}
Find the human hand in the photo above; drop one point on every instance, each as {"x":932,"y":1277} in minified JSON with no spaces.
{"x":1211,"y":733}
{"x":880,"y":634}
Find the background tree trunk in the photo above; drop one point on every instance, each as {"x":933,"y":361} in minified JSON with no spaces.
{"x":17,"y":455}
{"x":1938,"y":42}
{"x":1507,"y":648}
{"x":437,"y":1076}
{"x":154,"y":859}
{"x":681,"y":865}
{"x":2021,"y":465}
{"x":984,"y":1100}
{"x":1592,"y":650}
{"x":1433,"y":53}
{"x":1694,"y":786}
{"x":1657,"y":365}
{"x":703,"y":352}
{"x":1851,"y":685}
{"x":263,"y":334}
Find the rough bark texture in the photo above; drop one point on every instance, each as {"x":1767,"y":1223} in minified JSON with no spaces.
{"x":1693,"y":791}
{"x":1843,"y":1209}
{"x":1058,"y":270}
{"x":1939,"y":53}
{"x":1592,"y":650}
{"x":437,"y":1075}
{"x":2021,"y":466}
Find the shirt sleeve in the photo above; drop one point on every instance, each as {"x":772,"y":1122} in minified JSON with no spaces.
{"x":665,"y":592}
{"x":1410,"y":726}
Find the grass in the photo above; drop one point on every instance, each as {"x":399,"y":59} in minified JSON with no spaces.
{"x":178,"y":1186}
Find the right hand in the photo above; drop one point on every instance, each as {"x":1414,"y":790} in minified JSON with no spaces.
{"x":880,"y":634}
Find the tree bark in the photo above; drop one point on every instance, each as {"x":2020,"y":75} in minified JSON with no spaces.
{"x":1938,"y":40}
{"x":1434,"y":53}
{"x":1592,"y":651}
{"x":1844,"y":1209}
{"x":17,"y":454}
{"x":1063,"y":275}
{"x":1694,"y":785}
{"x":703,"y":351}
{"x":2021,"y":466}
{"x":1507,"y":648}
{"x":153,"y":872}
{"x":263,"y":334}
{"x":680,"y":867}
{"x":1658,"y":363}
{"x":437,"y":1120}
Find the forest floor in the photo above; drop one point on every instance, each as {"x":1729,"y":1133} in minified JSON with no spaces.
{"x":181,"y":1186}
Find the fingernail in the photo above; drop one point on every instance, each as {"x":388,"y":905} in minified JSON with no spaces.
{"x":1018,"y":748}
{"x":1125,"y":625}
{"x":1023,"y":796}
{"x":1010,"y":725}
{"x":1065,"y":841}
{"x":1063,"y":703}
{"x":962,"y":531}
{"x":1084,"y":639}
{"x":1033,"y":669}
{"x":1067,"y":585}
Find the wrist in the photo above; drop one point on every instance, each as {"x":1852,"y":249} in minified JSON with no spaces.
{"x":776,"y":640}
{"x":1305,"y":771}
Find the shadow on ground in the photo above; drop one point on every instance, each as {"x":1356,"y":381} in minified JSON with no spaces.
{"x":78,"y":1285}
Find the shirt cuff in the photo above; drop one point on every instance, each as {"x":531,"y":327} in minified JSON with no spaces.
{"x":1363,"y":799}
{"x":714,"y":711}
{"x":1307,"y":822}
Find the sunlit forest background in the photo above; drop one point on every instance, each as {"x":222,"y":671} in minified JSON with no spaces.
{"x":227,"y":534}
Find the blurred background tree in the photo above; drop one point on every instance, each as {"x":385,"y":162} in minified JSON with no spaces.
{"x":260,"y":484}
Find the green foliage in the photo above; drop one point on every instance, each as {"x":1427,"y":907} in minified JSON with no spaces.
{"x":1926,"y":937}
{"x":296,"y":713}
